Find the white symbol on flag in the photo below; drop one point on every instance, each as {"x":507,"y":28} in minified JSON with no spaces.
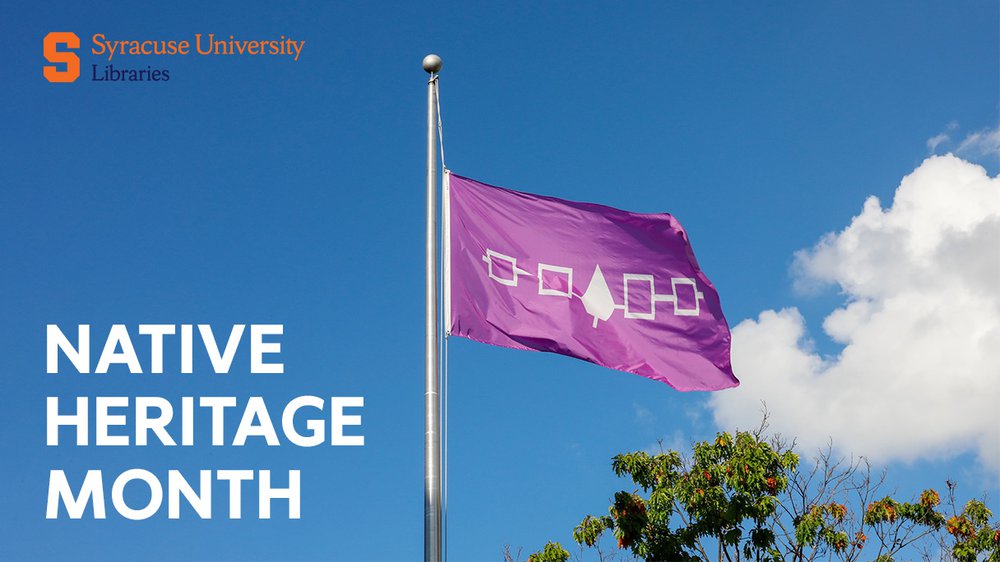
{"x":567,"y":291}
{"x":557,"y":281}
{"x":597,"y":300}
{"x":492,"y":257}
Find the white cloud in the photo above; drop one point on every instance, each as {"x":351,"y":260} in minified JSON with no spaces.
{"x":936,"y":140}
{"x":919,"y":372}
{"x":980,"y":144}
{"x":941,"y":138}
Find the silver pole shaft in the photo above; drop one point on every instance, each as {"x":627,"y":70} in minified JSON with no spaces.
{"x":432,"y":420}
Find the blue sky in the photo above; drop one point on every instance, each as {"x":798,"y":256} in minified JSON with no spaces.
{"x":272,"y":191}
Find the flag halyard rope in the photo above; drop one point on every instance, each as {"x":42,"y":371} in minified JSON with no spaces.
{"x":443,"y":350}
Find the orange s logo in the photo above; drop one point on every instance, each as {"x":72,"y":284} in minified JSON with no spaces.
{"x":72,"y":62}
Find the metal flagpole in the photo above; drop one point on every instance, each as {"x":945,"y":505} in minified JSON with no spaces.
{"x":432,"y":420}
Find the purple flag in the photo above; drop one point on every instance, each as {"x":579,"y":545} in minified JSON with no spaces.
{"x":615,"y":288}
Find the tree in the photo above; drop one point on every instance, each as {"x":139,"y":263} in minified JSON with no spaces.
{"x":745,"y":497}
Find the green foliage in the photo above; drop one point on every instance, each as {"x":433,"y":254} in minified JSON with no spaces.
{"x":735,"y":494}
{"x":973,"y":534}
{"x":727,"y":492}
{"x":553,"y":552}
{"x":589,"y":531}
{"x":823,"y":525}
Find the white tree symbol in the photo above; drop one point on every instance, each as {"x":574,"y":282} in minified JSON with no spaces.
{"x":597,"y":299}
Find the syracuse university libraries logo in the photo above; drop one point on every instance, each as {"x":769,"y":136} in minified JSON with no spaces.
{"x":133,"y":60}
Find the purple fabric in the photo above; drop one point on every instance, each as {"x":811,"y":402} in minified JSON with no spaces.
{"x":539,"y":273}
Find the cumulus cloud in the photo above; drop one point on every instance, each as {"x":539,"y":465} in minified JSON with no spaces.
{"x":918,"y":375}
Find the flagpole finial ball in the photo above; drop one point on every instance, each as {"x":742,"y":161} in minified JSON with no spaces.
{"x":432,"y":64}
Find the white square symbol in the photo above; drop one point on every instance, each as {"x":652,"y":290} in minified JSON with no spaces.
{"x":555,"y":291}
{"x":648,"y":279}
{"x":489,"y":259}
{"x":674,"y":282}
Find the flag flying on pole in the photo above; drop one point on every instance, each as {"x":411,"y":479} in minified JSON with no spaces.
{"x":615,"y":288}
